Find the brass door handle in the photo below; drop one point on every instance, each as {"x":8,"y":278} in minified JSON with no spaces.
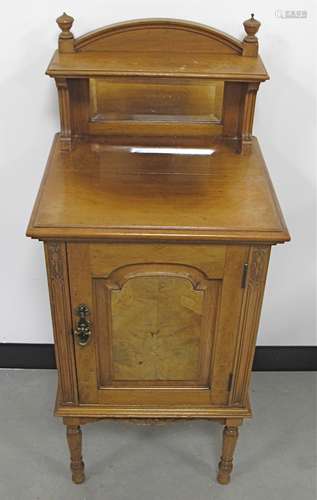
{"x":82,"y":331}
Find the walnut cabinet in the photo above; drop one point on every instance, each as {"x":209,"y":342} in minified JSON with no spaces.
{"x":157,"y":215}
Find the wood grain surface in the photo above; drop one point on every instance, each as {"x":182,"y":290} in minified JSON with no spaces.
{"x":101,"y":191}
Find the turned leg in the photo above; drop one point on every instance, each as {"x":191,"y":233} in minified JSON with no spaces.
{"x":73,"y":433}
{"x":230,"y":437}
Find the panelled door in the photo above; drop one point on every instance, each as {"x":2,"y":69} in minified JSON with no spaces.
{"x":155,"y":324}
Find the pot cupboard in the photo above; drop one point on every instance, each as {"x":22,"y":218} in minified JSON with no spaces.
{"x":157,"y":215}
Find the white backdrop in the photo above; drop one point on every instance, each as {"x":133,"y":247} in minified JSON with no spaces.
{"x":285,"y":123}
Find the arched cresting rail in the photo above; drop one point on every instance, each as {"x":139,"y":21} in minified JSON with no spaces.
{"x":157,"y":77}
{"x":157,"y":35}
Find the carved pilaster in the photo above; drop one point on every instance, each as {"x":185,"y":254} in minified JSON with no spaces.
{"x":56,"y":264}
{"x":257,"y":267}
{"x":56,"y":261}
{"x":248,"y":107}
{"x":249,"y":322}
{"x":64,"y":111}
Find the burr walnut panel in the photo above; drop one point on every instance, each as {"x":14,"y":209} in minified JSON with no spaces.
{"x":157,"y":325}
{"x":154,"y":320}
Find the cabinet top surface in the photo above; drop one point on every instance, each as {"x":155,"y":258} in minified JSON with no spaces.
{"x":102,"y":190}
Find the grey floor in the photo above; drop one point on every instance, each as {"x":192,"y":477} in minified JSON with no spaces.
{"x":275,"y":459}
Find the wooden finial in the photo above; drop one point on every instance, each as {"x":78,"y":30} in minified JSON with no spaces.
{"x":251,"y":27}
{"x":250,"y":42}
{"x":66,"y":37}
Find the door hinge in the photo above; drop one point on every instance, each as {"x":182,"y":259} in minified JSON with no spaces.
{"x":230,"y":382}
{"x":244,"y":275}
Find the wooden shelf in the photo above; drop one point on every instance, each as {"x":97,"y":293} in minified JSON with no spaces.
{"x":180,"y":65}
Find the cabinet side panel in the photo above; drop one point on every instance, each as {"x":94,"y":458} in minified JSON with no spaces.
{"x":56,"y":264}
{"x":249,"y":322}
